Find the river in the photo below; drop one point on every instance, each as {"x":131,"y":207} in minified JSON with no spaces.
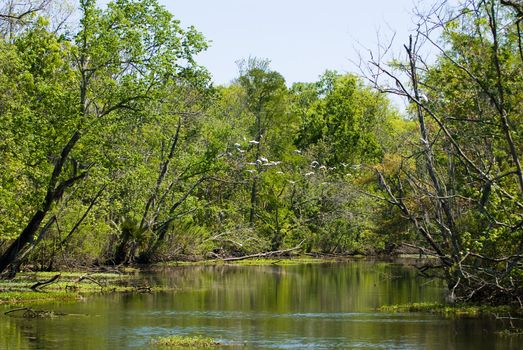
{"x":309,"y":306}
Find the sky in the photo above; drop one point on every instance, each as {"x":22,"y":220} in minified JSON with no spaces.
{"x":301,"y":38}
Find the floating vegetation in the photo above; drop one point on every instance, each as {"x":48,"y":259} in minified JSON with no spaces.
{"x":186,"y":341}
{"x":451,"y":310}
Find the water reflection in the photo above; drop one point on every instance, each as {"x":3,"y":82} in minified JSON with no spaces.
{"x":320,"y":306}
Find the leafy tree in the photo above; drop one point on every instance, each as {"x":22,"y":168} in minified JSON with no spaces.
{"x":345,"y":128}
{"x":121,"y":58}
{"x":340,"y":116}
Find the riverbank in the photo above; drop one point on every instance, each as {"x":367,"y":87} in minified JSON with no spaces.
{"x":42,"y":287}
{"x":74,"y":286}
{"x":292,"y":260}
{"x":458,"y":310}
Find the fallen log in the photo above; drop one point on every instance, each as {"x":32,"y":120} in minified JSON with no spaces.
{"x":31,"y":313}
{"x":45,"y":283}
{"x":91,"y":279}
{"x":16,"y":310}
{"x":264,"y":255}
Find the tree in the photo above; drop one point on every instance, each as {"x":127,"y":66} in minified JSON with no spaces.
{"x":176,"y":153}
{"x":122,"y":57}
{"x":264,"y":99}
{"x":345,"y":128}
{"x":342,"y":117}
{"x":462,"y":185}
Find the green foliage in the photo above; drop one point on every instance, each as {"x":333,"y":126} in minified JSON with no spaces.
{"x":186,"y":341}
{"x":75,"y":98}
{"x":36,"y":117}
{"x":341,"y":118}
{"x":172,"y":167}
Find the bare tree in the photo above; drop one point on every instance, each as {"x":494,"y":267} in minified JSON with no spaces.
{"x":15,"y":15}
{"x":462,"y":185}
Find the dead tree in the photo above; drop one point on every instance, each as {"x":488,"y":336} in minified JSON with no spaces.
{"x":464,"y":199}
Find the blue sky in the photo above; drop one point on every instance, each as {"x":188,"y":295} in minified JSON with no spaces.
{"x":302,"y":38}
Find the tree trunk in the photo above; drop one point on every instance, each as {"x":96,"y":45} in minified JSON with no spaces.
{"x":54,"y":193}
{"x":24,"y":238}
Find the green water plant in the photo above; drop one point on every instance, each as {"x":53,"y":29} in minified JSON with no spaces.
{"x":468,"y":310}
{"x":186,"y":341}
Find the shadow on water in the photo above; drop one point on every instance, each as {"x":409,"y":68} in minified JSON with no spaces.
{"x":319,"y":306}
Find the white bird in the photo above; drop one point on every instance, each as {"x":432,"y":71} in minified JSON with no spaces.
{"x":314,"y":164}
{"x":251,"y":171}
{"x":323,"y":167}
{"x":292,"y":182}
{"x":297,"y":151}
{"x":253,"y":142}
{"x":332,"y":168}
{"x":310,"y":173}
{"x":423,"y":98}
{"x":251,"y":163}
{"x":279,"y":172}
{"x":237,"y":145}
{"x":263,"y":159}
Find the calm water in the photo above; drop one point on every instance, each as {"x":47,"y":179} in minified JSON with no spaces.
{"x":319,"y":306}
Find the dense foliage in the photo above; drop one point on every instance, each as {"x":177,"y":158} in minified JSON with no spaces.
{"x":116,"y":148}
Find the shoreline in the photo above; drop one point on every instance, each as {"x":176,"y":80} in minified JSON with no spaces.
{"x":75,"y":286}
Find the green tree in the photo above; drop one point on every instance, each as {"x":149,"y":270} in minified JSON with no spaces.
{"x":121,"y":58}
{"x":346,"y":128}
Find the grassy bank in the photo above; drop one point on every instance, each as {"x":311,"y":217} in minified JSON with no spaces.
{"x":69,"y":286}
{"x":465,"y":310}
